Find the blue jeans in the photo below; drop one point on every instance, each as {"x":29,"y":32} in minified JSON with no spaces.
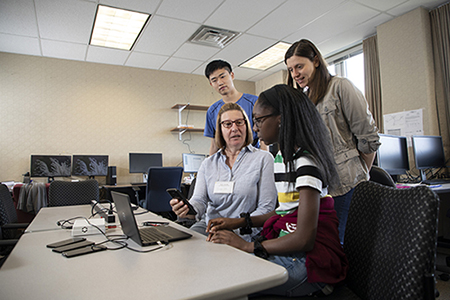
{"x":341,"y":206}
{"x":297,"y":284}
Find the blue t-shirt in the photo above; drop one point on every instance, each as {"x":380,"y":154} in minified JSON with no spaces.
{"x":247,"y":102}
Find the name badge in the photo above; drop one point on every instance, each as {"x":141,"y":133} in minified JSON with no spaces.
{"x":223,"y":187}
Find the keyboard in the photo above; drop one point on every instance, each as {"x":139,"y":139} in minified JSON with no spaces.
{"x":436,"y":181}
{"x":152,"y":234}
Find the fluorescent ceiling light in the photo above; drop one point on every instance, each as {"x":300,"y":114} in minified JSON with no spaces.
{"x":268,"y":58}
{"x":117,"y":28}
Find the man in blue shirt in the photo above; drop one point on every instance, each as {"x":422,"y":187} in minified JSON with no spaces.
{"x":221,"y":76}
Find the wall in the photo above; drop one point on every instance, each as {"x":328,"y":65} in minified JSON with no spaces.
{"x":53,"y":106}
{"x":407,"y":70}
{"x":268,"y":82}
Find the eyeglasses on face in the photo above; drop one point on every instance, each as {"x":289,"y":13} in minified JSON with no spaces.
{"x":228,"y":123}
{"x":259,"y":120}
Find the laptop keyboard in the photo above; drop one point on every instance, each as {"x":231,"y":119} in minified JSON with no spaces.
{"x":436,"y":181}
{"x":152,"y":234}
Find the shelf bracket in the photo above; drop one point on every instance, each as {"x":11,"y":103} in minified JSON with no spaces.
{"x":180,"y":133}
{"x":180,"y":109}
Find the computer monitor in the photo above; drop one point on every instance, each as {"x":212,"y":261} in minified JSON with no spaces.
{"x":141,"y":162}
{"x":90,"y":165}
{"x":50,"y":166}
{"x":428,"y":153}
{"x":192,"y":162}
{"x":392,"y":155}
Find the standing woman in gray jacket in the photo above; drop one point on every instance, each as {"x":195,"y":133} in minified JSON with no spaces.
{"x":345,"y":112}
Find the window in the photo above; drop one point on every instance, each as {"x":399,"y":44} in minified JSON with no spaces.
{"x":350,"y":66}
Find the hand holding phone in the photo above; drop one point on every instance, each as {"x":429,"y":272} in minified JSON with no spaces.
{"x":175,"y":193}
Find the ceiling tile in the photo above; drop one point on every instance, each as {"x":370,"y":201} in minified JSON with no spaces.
{"x":245,"y":13}
{"x":144,"y":6}
{"x":19,"y":44}
{"x":347,"y":16}
{"x":351,"y":37}
{"x":382,"y":5}
{"x":412,"y":4}
{"x":194,"y":51}
{"x":65,"y":20}
{"x":188,"y":10}
{"x":145,"y":60}
{"x":63,"y":50}
{"x":23,"y":10}
{"x":164,"y":35}
{"x":107,"y":55}
{"x":181,"y":65}
{"x":245,"y":47}
{"x":245,"y":73}
{"x":293,"y":14}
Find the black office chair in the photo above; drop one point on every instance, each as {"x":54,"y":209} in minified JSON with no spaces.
{"x":10,"y":230}
{"x":159,"y":180}
{"x":390,"y":243}
{"x":63,"y":193}
{"x":379,"y":175}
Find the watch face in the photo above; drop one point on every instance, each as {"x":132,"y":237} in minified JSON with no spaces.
{"x":259,"y":250}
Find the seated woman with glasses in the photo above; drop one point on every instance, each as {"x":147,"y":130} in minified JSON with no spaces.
{"x":238,"y":179}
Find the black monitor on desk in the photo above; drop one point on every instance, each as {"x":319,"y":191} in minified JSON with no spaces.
{"x":90,"y":165}
{"x":50,"y":166}
{"x":141,"y":162}
{"x":392,"y":155}
{"x":428,"y":153}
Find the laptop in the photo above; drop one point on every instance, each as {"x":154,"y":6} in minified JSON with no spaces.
{"x":145,"y":236}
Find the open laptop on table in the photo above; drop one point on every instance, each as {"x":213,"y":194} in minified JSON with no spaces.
{"x":143,"y":236}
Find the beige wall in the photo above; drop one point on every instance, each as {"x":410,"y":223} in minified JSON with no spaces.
{"x":52,"y":106}
{"x":407,"y":70}
{"x":268,"y":82}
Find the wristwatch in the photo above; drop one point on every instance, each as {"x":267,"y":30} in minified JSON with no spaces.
{"x":259,"y":250}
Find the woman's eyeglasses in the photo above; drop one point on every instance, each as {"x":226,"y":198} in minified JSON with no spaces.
{"x":258,"y":121}
{"x":228,"y":123}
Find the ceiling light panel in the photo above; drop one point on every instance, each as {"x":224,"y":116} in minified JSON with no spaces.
{"x":117,"y":28}
{"x":268,"y":58}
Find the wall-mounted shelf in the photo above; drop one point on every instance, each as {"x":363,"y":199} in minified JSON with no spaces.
{"x":182,"y":128}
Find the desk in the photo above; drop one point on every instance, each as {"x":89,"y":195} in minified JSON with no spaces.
{"x":189,"y":269}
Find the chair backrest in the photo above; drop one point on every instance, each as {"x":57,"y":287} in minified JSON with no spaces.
{"x":380,"y":175}
{"x":390,"y":241}
{"x":159,"y":180}
{"x":7,"y":211}
{"x":63,"y":193}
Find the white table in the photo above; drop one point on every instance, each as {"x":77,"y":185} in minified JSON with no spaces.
{"x":189,"y":269}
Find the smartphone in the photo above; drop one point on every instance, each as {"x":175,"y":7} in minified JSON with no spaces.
{"x":73,"y":246}
{"x":175,"y":193}
{"x":66,"y":242}
{"x":85,"y":250}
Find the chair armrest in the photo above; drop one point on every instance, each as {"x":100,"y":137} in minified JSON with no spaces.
{"x":15,"y":226}
{"x":11,"y":242}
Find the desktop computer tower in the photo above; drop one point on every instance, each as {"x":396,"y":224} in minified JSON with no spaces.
{"x":111,"y":177}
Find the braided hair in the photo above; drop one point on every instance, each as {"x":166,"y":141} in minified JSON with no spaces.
{"x":301,"y":126}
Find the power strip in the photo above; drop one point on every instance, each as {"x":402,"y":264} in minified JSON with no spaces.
{"x":103,"y":211}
